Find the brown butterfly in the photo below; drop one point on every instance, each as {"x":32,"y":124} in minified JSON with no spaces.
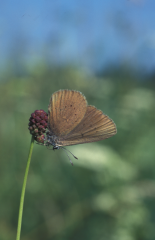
{"x":71,"y":121}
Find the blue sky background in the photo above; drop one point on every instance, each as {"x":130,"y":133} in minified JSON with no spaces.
{"x":87,"y":33}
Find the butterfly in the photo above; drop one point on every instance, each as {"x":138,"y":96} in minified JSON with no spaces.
{"x":72,"y":121}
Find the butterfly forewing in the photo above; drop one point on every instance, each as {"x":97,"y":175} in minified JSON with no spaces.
{"x":95,"y":126}
{"x":66,"y":110}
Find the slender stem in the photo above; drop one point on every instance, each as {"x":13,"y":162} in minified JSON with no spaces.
{"x":23,"y":191}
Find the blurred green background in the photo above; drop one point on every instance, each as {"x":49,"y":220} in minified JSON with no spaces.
{"x":99,"y":48}
{"x":109,"y":193}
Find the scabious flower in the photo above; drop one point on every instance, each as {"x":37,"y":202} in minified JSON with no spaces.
{"x":38,"y":125}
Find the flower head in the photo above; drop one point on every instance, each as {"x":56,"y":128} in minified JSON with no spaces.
{"x":38,"y":124}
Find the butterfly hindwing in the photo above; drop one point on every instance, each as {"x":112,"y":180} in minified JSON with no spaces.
{"x":95,"y":126}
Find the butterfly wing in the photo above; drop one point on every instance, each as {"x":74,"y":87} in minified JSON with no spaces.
{"x":66,"y":110}
{"x":95,"y":126}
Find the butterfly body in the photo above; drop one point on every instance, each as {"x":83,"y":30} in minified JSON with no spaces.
{"x":52,"y":140}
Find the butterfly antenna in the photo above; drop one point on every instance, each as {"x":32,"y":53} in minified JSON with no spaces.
{"x":70,"y":152}
{"x":67,"y":155}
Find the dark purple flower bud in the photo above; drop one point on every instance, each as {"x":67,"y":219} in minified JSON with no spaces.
{"x":33,"y":121}
{"x":33,"y":115}
{"x":46,"y":118}
{"x":36,"y":112}
{"x":42,"y":122}
{"x":38,"y":124}
{"x":38,"y":119}
{"x":42,"y":116}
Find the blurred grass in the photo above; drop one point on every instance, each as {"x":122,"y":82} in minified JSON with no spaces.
{"x":110,"y":191}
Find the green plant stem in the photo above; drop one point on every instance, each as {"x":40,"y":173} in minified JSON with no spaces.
{"x":23,"y":191}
